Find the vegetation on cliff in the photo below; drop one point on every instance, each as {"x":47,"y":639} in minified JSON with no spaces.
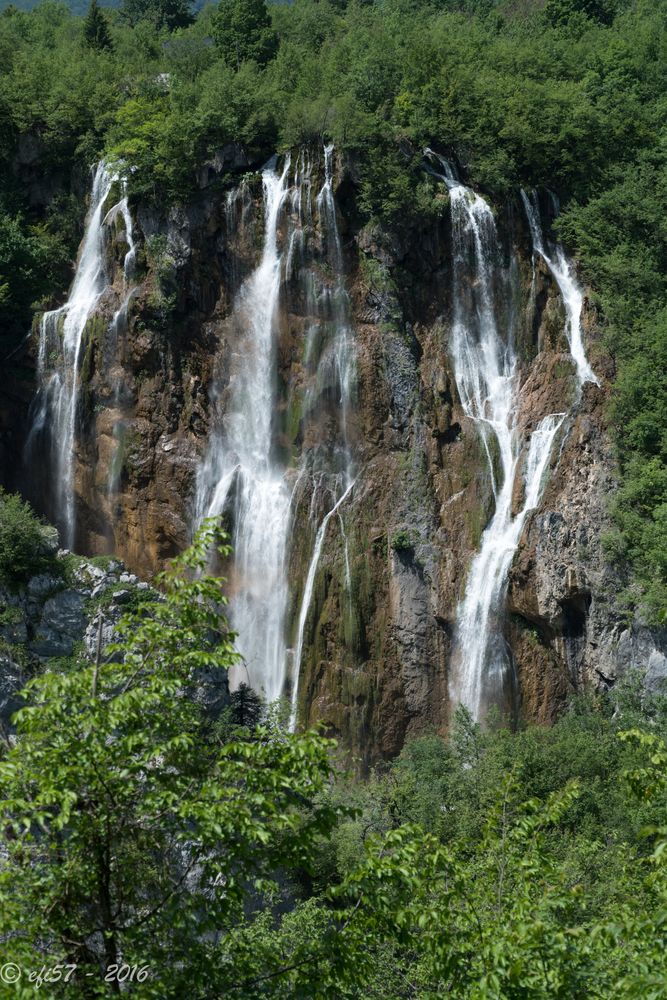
{"x":153,"y":841}
{"x":26,"y":545}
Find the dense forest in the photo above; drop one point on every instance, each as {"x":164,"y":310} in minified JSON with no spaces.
{"x":223,"y":856}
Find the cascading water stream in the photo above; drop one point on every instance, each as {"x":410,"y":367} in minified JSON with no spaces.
{"x":571,"y":292}
{"x":61,"y":333}
{"x":117,"y":328}
{"x":242,"y":471}
{"x":239,"y":465}
{"x":307,"y":598}
{"x":485,"y":370}
{"x":123,"y":209}
{"x":339,"y":355}
{"x":482,"y":656}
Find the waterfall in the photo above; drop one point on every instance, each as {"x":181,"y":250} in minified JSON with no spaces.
{"x":486,"y":372}
{"x":123,"y":209}
{"x":117,"y":328}
{"x":246,"y":472}
{"x":337,"y":359}
{"x":564,"y":274}
{"x":61,"y":338}
{"x":306,"y":599}
{"x":482,"y":657}
{"x":239,"y":464}
{"x":341,"y":354}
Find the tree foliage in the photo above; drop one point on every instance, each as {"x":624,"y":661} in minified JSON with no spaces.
{"x":242,"y":31}
{"x":24,"y":548}
{"x":132,"y":835}
{"x":207,"y":861}
{"x":96,"y":28}
{"x":159,"y":14}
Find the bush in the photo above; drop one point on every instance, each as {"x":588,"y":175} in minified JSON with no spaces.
{"x":403,"y":541}
{"x":24,"y":541}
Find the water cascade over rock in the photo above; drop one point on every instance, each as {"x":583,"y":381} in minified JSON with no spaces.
{"x":248,"y":471}
{"x":118,"y":329}
{"x":566,"y":279}
{"x":60,"y":342}
{"x":399,"y":428}
{"x":487,"y":376}
{"x":239,"y":464}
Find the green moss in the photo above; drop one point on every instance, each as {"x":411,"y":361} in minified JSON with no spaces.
{"x":475,"y":523}
{"x":163,"y":294}
{"x":114,"y":196}
{"x":92,"y":338}
{"x":564,"y":369}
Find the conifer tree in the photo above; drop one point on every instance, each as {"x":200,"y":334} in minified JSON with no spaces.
{"x":246,"y":707}
{"x":96,"y":28}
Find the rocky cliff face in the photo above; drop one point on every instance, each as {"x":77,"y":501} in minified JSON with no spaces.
{"x":73,"y":608}
{"x":378,"y":634}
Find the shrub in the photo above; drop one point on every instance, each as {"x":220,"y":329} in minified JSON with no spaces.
{"x":24,"y":541}
{"x":403,"y":541}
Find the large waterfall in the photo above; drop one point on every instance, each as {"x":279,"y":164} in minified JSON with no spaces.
{"x":279,"y":458}
{"x":240,"y":465}
{"x":485,"y":365}
{"x":244,"y":472}
{"x":61,"y":341}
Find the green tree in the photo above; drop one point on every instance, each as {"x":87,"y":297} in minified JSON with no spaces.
{"x":161,"y":14}
{"x":561,"y":12}
{"x":242,"y":31}
{"x":246,"y":707}
{"x":24,"y":541}
{"x":96,"y":28}
{"x":132,"y":838}
{"x":31,"y":259}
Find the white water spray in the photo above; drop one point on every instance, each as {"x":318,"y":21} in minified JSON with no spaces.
{"x":243,"y":472}
{"x":239,"y":468}
{"x":565,"y":276}
{"x":486,"y":373}
{"x":61,"y":334}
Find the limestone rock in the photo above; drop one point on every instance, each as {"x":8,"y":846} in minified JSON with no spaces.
{"x":380,"y":628}
{"x":61,"y":624}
